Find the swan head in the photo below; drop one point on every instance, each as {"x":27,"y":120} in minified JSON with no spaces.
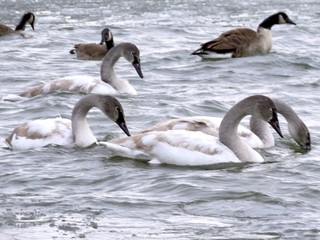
{"x":107,"y":37}
{"x":266,"y":110}
{"x":274,"y":122}
{"x":300,"y":134}
{"x":113,"y":109}
{"x":132,"y":55}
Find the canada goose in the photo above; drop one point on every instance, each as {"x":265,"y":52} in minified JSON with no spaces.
{"x":26,"y":18}
{"x":194,"y":148}
{"x":63,"y":132}
{"x":93,"y":51}
{"x":244,"y":41}
{"x":109,"y":84}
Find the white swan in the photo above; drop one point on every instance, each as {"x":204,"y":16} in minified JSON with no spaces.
{"x":259,"y":135}
{"x":182,"y":147}
{"x":244,"y":41}
{"x":63,"y":132}
{"x":109,"y":84}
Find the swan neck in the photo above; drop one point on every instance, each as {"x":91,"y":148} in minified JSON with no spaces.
{"x":285,"y":110}
{"x":81,"y":131}
{"x":107,"y":72}
{"x":228,"y":133}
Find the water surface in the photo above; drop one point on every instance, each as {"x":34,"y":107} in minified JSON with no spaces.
{"x":63,"y":193}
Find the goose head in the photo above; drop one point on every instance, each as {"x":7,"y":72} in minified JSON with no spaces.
{"x":132,"y":54}
{"x":277,"y":18}
{"x":26,"y":18}
{"x":113,"y":109}
{"x":107,"y":37}
{"x":284,"y":19}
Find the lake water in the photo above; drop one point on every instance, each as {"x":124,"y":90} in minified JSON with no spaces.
{"x":72,"y":193}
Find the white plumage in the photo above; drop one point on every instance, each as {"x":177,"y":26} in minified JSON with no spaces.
{"x":192,"y":148}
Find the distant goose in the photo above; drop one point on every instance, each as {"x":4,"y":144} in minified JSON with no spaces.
{"x":109,"y":84}
{"x":193,"y":148}
{"x":26,"y":18}
{"x":63,"y":132}
{"x":259,"y":136}
{"x":93,"y":51}
{"x":244,"y":41}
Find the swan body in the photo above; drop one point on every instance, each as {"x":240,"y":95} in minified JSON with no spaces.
{"x":65,"y":132}
{"x":93,"y":51}
{"x":26,"y":18}
{"x":183,"y":147}
{"x":207,"y":125}
{"x":242,"y":42}
{"x":109,"y":84}
{"x":259,"y":135}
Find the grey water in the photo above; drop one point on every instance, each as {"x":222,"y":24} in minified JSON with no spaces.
{"x":72,"y":193}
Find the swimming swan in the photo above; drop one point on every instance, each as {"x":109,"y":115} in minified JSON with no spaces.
{"x":26,"y":18}
{"x":109,"y":84}
{"x":244,"y":41}
{"x":63,"y":132}
{"x":93,"y":51}
{"x":194,"y":148}
{"x":259,"y":135}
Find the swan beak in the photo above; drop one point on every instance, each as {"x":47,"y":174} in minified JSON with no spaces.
{"x":122,"y":123}
{"x":124,"y":128}
{"x":137,"y":66}
{"x":275,"y":123}
{"x":307,"y":145}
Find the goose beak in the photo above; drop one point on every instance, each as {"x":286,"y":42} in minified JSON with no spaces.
{"x":288,"y":20}
{"x":275,"y":123}
{"x":136,"y":65}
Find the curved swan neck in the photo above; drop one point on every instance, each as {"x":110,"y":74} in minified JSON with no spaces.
{"x":285,"y":110}
{"x":262,"y":130}
{"x":107,"y":72}
{"x":228,"y":133}
{"x":297,"y":128}
{"x":81,"y":131}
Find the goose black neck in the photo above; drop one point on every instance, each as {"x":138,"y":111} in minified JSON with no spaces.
{"x":109,"y":44}
{"x":270,"y":21}
{"x":22,"y":24}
